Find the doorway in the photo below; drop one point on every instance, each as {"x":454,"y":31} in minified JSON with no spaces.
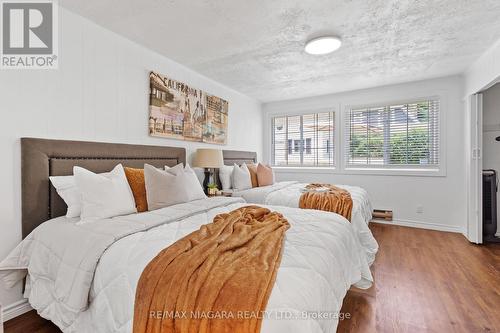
{"x":491,"y":153}
{"x":482,"y":152}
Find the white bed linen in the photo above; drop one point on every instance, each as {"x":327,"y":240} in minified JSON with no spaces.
{"x":288,"y":194}
{"x":322,"y":258}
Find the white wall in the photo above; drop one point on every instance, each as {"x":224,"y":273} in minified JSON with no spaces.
{"x":99,"y":93}
{"x":443,"y":198}
{"x":491,"y":130}
{"x":484,"y":72}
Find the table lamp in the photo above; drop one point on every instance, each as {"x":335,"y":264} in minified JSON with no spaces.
{"x":209,"y":159}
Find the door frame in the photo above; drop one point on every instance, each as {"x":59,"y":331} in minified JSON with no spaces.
{"x":474,"y":167}
{"x":474,"y":163}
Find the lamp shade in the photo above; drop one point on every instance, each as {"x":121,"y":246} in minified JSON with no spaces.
{"x":208,"y":158}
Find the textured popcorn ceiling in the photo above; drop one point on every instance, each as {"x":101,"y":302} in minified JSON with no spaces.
{"x":256,"y":46}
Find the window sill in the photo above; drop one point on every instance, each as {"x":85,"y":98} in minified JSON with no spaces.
{"x":364,"y":171}
{"x":395,"y":172}
{"x":304,"y":169}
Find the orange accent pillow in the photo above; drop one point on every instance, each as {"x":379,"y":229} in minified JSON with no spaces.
{"x":265,"y":175}
{"x":252,"y":168}
{"x":137,"y":184}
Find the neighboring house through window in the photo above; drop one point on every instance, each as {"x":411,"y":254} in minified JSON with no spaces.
{"x":304,"y":140}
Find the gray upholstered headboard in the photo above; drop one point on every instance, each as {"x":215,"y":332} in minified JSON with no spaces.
{"x":239,"y":157}
{"x":41,"y":158}
{"x":236,"y":156}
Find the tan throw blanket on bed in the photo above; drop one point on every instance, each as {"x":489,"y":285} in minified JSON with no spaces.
{"x":334,"y":200}
{"x":216,"y":279}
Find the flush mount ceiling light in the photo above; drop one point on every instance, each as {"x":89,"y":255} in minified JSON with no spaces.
{"x":323,"y":45}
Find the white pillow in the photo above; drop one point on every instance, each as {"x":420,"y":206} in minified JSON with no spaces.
{"x":68,"y":191}
{"x":193,"y":186}
{"x":66,"y":188}
{"x":104,"y":196}
{"x":200,"y":174}
{"x":164,"y":188}
{"x":225,"y":176}
{"x":174,"y":186}
{"x":241,"y":177}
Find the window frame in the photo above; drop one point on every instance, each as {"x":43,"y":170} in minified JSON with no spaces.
{"x":304,"y":168}
{"x":396,"y":170}
{"x":340,"y":107}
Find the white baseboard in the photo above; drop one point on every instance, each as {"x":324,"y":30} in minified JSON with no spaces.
{"x":16,"y":309}
{"x":424,"y":225}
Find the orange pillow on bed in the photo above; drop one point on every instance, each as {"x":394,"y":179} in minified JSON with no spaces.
{"x":252,"y":168}
{"x":137,"y":184}
{"x":265,"y":175}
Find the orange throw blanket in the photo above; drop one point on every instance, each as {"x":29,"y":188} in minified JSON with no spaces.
{"x":334,"y":200}
{"x":216,"y":279}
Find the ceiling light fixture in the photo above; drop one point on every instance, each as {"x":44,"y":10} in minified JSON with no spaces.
{"x":323,"y":45}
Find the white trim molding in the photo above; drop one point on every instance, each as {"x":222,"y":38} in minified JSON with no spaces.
{"x":16,"y":309}
{"x":423,"y":225}
{"x":360,"y":171}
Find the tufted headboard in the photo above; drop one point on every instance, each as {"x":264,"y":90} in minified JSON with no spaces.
{"x":236,"y":156}
{"x":239,"y":157}
{"x":41,"y":158}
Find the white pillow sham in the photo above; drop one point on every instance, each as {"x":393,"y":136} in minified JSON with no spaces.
{"x":68,"y":191}
{"x":195,"y":187}
{"x":174,"y":186}
{"x":241,"y":177}
{"x":66,"y":188}
{"x":225,"y":176}
{"x":200,"y":174}
{"x":103,"y":196}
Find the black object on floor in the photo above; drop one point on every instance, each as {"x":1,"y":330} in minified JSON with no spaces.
{"x":490,"y":189}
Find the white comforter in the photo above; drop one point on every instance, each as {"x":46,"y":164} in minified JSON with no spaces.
{"x":83,"y":277}
{"x":288,"y":194}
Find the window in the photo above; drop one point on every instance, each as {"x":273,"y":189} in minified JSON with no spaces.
{"x":309,"y":146}
{"x":404,"y":136}
{"x":305,"y":140}
{"x":296,"y":146}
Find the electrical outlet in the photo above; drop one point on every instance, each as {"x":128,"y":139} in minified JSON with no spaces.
{"x":420,"y":209}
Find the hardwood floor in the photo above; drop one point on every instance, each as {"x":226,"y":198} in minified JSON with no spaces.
{"x":425,"y":281}
{"x":30,"y":322}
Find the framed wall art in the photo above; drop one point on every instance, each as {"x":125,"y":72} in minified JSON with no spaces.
{"x":178,"y":111}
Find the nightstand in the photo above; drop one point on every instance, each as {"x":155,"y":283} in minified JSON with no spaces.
{"x":223,"y":194}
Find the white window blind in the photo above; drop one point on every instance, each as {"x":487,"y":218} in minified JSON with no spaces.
{"x":399,"y":136}
{"x":303,"y":140}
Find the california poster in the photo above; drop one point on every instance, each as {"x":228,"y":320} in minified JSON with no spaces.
{"x":178,"y":111}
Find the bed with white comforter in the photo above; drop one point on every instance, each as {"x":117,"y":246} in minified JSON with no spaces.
{"x":83,"y":277}
{"x":288,"y":194}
